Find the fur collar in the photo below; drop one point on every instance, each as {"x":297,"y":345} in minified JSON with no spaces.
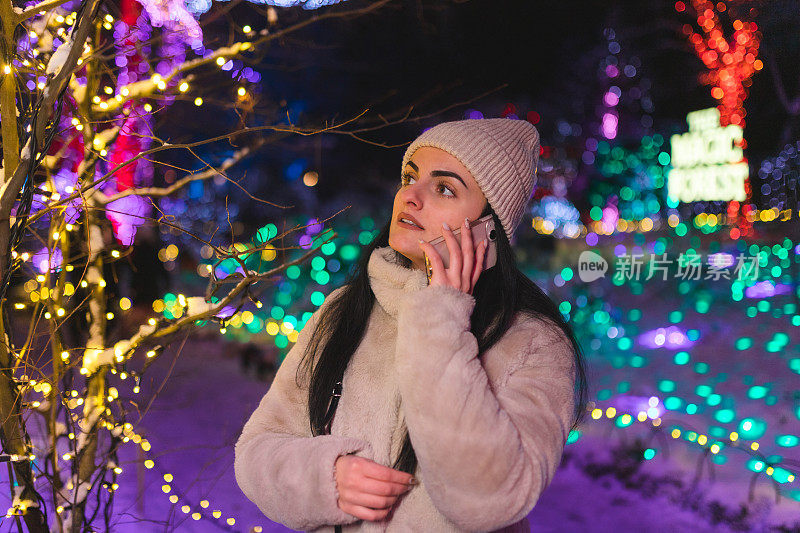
{"x":391,"y":281}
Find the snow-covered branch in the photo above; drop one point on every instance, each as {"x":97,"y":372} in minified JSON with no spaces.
{"x":196,"y":309}
{"x":38,"y":8}
{"x":144,"y":88}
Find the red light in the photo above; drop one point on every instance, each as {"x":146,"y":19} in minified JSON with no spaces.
{"x":509,"y":109}
{"x":533,"y":117}
{"x":680,"y":7}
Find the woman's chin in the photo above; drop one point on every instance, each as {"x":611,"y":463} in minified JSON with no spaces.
{"x":405,"y":247}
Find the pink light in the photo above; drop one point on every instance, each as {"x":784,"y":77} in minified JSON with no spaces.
{"x":611,"y":99}
{"x":609,"y":126}
{"x":609,"y":220}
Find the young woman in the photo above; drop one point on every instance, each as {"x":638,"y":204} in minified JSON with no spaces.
{"x":457,"y":394}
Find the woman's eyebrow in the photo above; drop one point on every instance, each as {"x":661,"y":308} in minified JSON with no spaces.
{"x":437,"y":173}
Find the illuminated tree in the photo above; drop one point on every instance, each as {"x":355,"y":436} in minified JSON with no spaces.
{"x":626,"y":156}
{"x":81,"y":85}
{"x":731,"y":57}
{"x":729,"y":50}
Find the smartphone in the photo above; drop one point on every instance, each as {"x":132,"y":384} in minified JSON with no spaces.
{"x":483,"y":228}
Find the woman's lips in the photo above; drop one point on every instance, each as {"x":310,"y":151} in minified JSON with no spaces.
{"x":407,"y":225}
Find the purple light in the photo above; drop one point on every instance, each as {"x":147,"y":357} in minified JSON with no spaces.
{"x":619,"y":250}
{"x":591,"y":238}
{"x":220,"y":272}
{"x":226,"y":312}
{"x":633,"y":405}
{"x":305,"y":241}
{"x":314,"y":226}
{"x":127,"y":214}
{"x":43,"y":260}
{"x":671,"y":337}
{"x":766,"y":289}
{"x":612,"y":71}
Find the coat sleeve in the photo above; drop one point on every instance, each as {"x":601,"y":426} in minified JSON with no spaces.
{"x":486,"y":451}
{"x":278,"y":465}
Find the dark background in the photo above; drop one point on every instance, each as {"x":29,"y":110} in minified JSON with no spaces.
{"x":434,"y":57}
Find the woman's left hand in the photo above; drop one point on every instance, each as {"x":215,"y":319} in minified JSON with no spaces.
{"x":466,"y":262}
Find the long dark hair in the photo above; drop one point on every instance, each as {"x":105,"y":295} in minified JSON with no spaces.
{"x":499,"y":293}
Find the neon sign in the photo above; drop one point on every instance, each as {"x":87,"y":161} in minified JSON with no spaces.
{"x":708,"y":162}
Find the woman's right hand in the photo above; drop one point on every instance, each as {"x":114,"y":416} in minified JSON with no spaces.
{"x":368,"y":490}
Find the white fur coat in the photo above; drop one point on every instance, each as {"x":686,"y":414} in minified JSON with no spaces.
{"x":488,"y":433}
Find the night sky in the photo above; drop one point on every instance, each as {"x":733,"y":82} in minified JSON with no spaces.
{"x":538,"y":56}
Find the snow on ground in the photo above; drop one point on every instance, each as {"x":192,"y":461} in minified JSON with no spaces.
{"x":604,"y":484}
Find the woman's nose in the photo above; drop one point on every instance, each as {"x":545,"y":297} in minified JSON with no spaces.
{"x":410,"y":194}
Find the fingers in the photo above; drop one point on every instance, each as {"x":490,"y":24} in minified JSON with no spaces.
{"x":364,"y":513}
{"x":468,"y":254}
{"x":377,"y":471}
{"x":437,"y":265}
{"x":479,"y":261}
{"x":365,"y":499}
{"x":383,"y":488}
{"x":454,"y":271}
{"x":465,"y":267}
{"x":369,"y":490}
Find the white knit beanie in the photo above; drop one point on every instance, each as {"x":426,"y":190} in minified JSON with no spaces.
{"x":500,"y":153}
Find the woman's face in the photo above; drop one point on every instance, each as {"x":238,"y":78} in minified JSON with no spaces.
{"x":435,"y":188}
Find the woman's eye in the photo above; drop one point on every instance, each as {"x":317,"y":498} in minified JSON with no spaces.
{"x":405,"y":178}
{"x":442,"y":187}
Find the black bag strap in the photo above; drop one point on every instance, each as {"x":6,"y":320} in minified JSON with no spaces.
{"x":336,"y":393}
